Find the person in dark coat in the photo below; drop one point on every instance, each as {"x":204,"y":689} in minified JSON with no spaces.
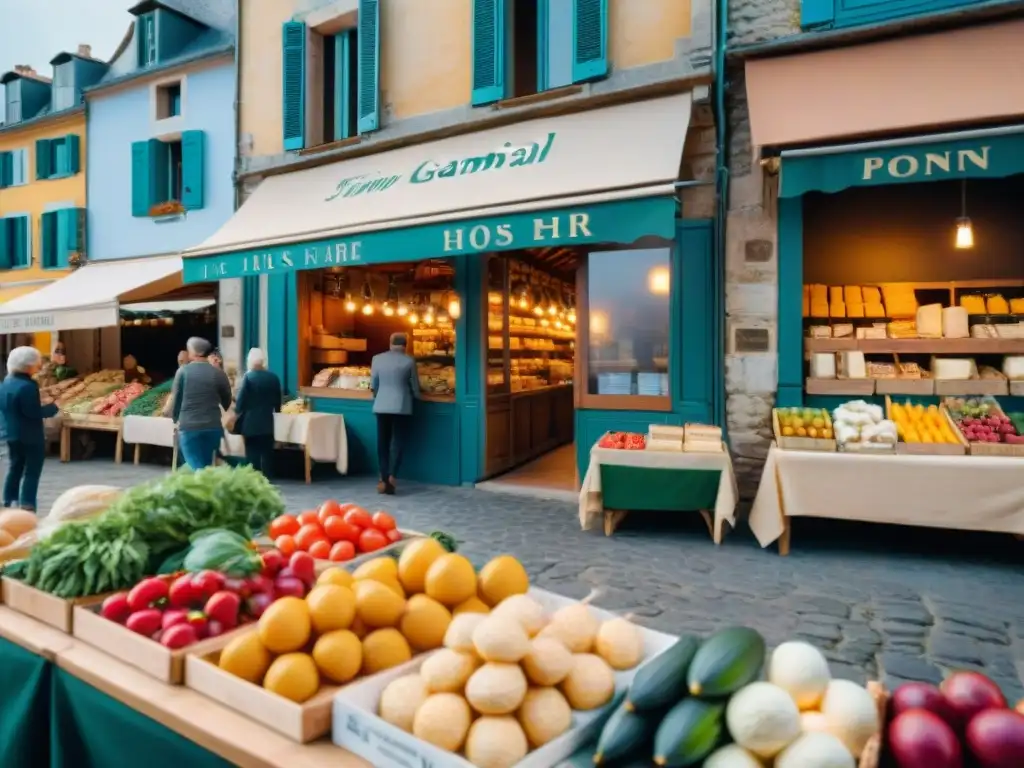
{"x":395,"y":384}
{"x":258,"y":399}
{"x":23,"y":415}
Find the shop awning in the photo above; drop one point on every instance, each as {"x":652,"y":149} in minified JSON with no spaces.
{"x":90,"y":296}
{"x":604,"y":175}
{"x":988,"y":153}
{"x":910,"y":84}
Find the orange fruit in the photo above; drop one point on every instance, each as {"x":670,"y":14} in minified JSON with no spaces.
{"x":283,"y":525}
{"x":285,"y":544}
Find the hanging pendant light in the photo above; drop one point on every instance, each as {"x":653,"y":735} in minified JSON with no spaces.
{"x":964,"y":228}
{"x":388,"y":308}
{"x":350,"y":304}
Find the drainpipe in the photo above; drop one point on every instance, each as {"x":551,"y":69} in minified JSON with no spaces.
{"x":722,"y":200}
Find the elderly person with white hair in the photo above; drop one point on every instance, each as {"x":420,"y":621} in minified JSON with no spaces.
{"x":23,"y":414}
{"x":200,"y":391}
{"x":258,"y":399}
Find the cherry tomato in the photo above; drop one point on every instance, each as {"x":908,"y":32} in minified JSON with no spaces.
{"x":328,"y":509}
{"x":371,"y":540}
{"x":307,"y":535}
{"x":285,"y":544}
{"x":382,"y":521}
{"x":320,"y":549}
{"x":342,"y":551}
{"x":309,"y":517}
{"x":282,"y":525}
{"x":393,"y":535}
{"x":358,"y":516}
{"x":338,"y":530}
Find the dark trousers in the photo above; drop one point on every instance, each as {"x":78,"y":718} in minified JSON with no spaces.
{"x":259,"y":452}
{"x":391,"y":434}
{"x":25,"y":465}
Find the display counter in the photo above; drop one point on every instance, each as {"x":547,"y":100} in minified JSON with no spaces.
{"x":524,"y":425}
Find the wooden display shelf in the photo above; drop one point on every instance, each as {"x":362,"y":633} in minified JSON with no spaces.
{"x":841,"y":387}
{"x":919,"y":346}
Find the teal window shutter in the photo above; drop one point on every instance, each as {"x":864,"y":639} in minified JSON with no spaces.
{"x":294,"y":84}
{"x":67,"y":232}
{"x":817,"y":13}
{"x":344,"y":82}
{"x":590,"y":40}
{"x":21,"y":253}
{"x":488,"y":51}
{"x":192,"y":169}
{"x":159,"y":172}
{"x":44,"y":164}
{"x":6,"y":169}
{"x":50,"y":240}
{"x":5,"y":243}
{"x":369,"y":65}
{"x":141,"y":173}
{"x":73,"y":144}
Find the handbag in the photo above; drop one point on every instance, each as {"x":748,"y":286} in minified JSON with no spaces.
{"x":231,"y":421}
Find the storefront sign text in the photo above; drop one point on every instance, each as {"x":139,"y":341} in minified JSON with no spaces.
{"x":926,"y":164}
{"x":544,"y":230}
{"x":508,"y":156}
{"x":25,"y":323}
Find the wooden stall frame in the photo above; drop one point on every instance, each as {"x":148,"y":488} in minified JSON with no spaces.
{"x":110,"y":425}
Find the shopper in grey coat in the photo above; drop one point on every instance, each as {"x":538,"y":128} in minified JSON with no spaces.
{"x":396,"y":385}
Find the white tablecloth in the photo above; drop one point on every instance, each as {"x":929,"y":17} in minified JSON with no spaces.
{"x":969,"y":493}
{"x":322,"y":433}
{"x":148,"y":430}
{"x":591,"y":506}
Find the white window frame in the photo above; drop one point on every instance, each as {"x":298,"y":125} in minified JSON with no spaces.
{"x":13,"y":115}
{"x":64,"y":86}
{"x":162,"y":126}
{"x":19,"y":167}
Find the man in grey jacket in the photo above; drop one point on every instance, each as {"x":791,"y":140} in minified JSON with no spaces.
{"x":395,"y":384}
{"x":200,"y":391}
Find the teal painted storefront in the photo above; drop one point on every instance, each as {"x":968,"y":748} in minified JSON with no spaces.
{"x":986,"y":153}
{"x":447,"y":442}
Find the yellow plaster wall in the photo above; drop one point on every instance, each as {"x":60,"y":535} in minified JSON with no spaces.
{"x":645,"y":31}
{"x":260,"y":84}
{"x":32,"y":198}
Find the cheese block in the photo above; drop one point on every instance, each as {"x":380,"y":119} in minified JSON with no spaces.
{"x":872,"y":309}
{"x":852,"y":365}
{"x":823,"y":365}
{"x":975,"y":305}
{"x":1013,"y":367}
{"x":819,"y":308}
{"x":854,"y":310}
{"x":837,"y":309}
{"x":665,"y":432}
{"x":871,"y":295}
{"x":929,"y":321}
{"x":954,"y":323}
{"x":819,"y":292}
{"x":853,"y":294}
{"x":953,"y":368}
{"x":835,"y":295}
{"x":653,"y":444}
{"x":842,"y":331}
{"x":1017,"y":306}
{"x":997,"y":305}
{"x":900,"y":300}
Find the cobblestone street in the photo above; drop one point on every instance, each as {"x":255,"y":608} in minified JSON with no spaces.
{"x":889,"y":602}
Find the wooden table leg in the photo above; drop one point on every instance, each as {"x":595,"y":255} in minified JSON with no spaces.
{"x":612,"y":518}
{"x":119,"y":448}
{"x":309,"y":464}
{"x":65,"y":443}
{"x":138,"y":452}
{"x":174,"y":456}
{"x":709,"y":523}
{"x":784,"y":538}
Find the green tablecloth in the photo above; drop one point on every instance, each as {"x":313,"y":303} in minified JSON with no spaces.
{"x":50,"y":717}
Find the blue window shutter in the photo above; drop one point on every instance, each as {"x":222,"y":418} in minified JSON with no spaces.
{"x":21,"y":254}
{"x":488,"y":51}
{"x":67,"y":232}
{"x":48,"y":230}
{"x":369,"y":65}
{"x":817,"y":13}
{"x":590,"y":40}
{"x":6,"y":169}
{"x":73,"y":144}
{"x":6,"y":260}
{"x":343,"y":84}
{"x":192,"y":162}
{"x":159,"y":172}
{"x":140,"y":178}
{"x":44,"y":168}
{"x":294,"y":84}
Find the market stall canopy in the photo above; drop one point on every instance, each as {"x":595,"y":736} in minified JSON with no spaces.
{"x":621,"y":162}
{"x":890,"y":87}
{"x":90,"y":296}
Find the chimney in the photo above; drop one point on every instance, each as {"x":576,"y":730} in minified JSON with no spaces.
{"x":24,"y":69}
{"x":85,"y":51}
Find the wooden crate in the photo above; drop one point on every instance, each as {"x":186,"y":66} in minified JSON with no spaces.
{"x":802,"y":443}
{"x":299,"y":722}
{"x":871,"y":757}
{"x":930,"y":449}
{"x":1017,"y":387}
{"x":841,"y":387}
{"x":42,"y":606}
{"x":972,"y":387}
{"x":991,"y":449}
{"x":141,"y":652}
{"x":914,"y":387}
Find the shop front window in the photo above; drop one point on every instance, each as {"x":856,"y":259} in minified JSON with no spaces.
{"x":625,"y":332}
{"x":350,"y":314}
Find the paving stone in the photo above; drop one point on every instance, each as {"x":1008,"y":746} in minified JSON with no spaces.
{"x":980,"y":634}
{"x":824,"y":606}
{"x":900,"y":629}
{"x":906,"y":667}
{"x":957,"y":649}
{"x":906,"y":612}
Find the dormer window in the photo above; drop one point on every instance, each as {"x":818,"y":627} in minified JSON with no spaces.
{"x":145,"y":28}
{"x":64,"y":95}
{"x":13,"y":92}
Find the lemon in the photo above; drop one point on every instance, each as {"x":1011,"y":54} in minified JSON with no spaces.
{"x":424,"y":622}
{"x":502,"y":577}
{"x":378,"y":569}
{"x":246,"y":657}
{"x":338,"y":576}
{"x":473,"y":605}
{"x":415,"y":561}
{"x":384,"y":649}
{"x":377,"y":605}
{"x":293,"y":676}
{"x":331,"y":607}
{"x":338,"y":655}
{"x":285,"y":626}
{"x":451,"y":579}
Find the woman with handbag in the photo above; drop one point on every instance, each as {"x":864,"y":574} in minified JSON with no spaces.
{"x":199,"y":393}
{"x":258,"y":399}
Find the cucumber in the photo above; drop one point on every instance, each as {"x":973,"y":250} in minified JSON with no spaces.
{"x":726,"y":662}
{"x":688,"y":733}
{"x":624,"y":733}
{"x":661,"y":682}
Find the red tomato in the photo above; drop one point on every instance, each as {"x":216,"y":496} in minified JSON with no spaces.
{"x":382,"y":521}
{"x":328,"y":509}
{"x":285,"y":544}
{"x":371,"y":540}
{"x":393,"y":535}
{"x":307,"y":535}
{"x":309,"y":517}
{"x":320,"y":549}
{"x":283,"y":525}
{"x":358,"y":516}
{"x":342,"y":551}
{"x":338,"y":530}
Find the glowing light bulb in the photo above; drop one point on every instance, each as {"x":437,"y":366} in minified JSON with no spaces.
{"x":964,"y":233}
{"x":523,"y":303}
{"x":368,"y":309}
{"x":544,"y":322}
{"x":454,"y":309}
{"x":552,"y":310}
{"x":350,"y":306}
{"x":402,"y":310}
{"x":658,"y":281}
{"x":572,"y":317}
{"x":538,"y":311}
{"x":428,"y":319}
{"x":388,"y":310}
